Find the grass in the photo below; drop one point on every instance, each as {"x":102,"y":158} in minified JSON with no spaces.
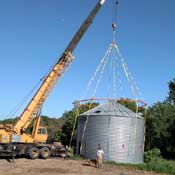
{"x":158,"y":166}
{"x":73,"y":157}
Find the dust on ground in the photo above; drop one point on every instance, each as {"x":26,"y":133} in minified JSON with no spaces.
{"x":24,"y":166}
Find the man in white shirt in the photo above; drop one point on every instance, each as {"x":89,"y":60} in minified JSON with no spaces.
{"x":100,"y":154}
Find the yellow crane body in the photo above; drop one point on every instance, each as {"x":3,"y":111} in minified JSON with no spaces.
{"x":15,"y":138}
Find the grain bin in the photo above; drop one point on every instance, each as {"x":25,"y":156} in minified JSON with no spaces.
{"x":118,"y":129}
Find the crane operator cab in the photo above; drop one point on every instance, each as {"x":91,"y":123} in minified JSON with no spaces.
{"x":41,"y":135}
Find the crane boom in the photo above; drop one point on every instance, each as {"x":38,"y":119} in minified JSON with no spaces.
{"x":50,"y":80}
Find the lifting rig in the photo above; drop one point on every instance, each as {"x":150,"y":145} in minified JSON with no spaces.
{"x":14,"y":139}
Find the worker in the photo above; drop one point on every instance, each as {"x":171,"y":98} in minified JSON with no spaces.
{"x":100,"y":154}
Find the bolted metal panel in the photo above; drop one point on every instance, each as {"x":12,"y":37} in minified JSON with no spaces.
{"x":121,"y":136}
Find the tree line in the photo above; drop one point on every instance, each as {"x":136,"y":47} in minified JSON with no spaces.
{"x":159,"y":123}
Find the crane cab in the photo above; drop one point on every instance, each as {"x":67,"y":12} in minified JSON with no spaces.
{"x":41,"y":135}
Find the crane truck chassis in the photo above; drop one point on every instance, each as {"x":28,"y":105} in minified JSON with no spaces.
{"x":14,"y":140}
{"x":32,"y":151}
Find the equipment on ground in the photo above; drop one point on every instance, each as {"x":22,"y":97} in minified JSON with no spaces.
{"x":15,"y":139}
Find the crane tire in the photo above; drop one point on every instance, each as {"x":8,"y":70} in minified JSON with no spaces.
{"x":44,"y":152}
{"x":33,"y":153}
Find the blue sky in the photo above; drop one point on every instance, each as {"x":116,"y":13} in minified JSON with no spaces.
{"x":33,"y":34}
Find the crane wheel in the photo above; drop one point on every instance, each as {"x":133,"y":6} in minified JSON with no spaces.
{"x":33,"y":153}
{"x":44,"y":152}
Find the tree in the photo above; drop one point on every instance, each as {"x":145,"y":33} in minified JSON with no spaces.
{"x":129,"y":104}
{"x":67,"y":127}
{"x":53,"y":125}
{"x":57,"y":136}
{"x":160,"y":129}
{"x":69,"y":117}
{"x":9,"y":121}
{"x":171,"y":93}
{"x":160,"y":124}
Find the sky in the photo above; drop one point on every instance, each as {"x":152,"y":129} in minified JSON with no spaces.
{"x":33,"y":34}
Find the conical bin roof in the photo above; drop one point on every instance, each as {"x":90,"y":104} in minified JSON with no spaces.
{"x":111,"y":108}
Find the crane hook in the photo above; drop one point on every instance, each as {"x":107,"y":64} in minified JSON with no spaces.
{"x":114,"y":25}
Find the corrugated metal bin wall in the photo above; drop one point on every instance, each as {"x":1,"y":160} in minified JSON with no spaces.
{"x":122,"y":137}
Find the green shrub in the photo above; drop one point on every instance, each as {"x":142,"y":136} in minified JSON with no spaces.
{"x":159,"y":165}
{"x":152,"y":155}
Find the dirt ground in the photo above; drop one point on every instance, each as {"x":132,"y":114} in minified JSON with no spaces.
{"x":24,"y":166}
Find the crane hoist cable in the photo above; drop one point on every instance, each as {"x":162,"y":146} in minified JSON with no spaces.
{"x":114,"y":19}
{"x":93,"y":95}
{"x":100,"y":69}
{"x":111,"y":77}
{"x":136,"y":92}
{"x":125,"y":68}
{"x":104,"y":62}
{"x":114,"y":76}
{"x":20,"y":104}
{"x":96,"y":72}
{"x":17,"y":107}
{"x":134,"y":88}
{"x":101,"y":66}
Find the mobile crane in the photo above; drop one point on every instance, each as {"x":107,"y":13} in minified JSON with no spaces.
{"x":15,"y":139}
